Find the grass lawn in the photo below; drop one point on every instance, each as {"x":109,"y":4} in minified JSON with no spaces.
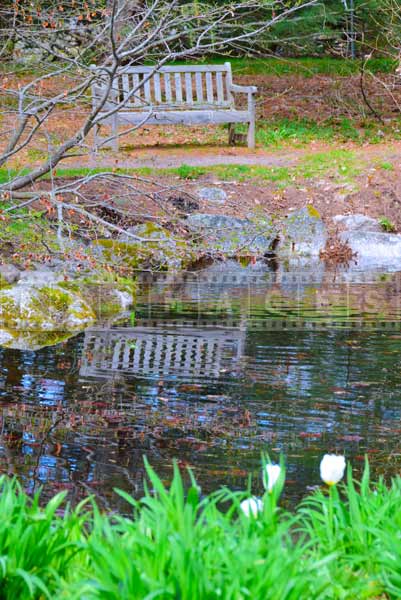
{"x":306,"y":67}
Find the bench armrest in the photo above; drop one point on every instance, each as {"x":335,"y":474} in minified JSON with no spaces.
{"x":250,"y":90}
{"x":245,"y":89}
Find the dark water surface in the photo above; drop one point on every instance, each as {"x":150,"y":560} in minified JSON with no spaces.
{"x":212,"y":369}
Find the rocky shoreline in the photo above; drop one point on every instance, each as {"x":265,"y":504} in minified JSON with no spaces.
{"x":44,"y":305}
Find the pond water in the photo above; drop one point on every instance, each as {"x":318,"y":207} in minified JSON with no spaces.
{"x":211,"y":369}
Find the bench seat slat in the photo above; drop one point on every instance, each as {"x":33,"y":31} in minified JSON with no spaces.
{"x":178,"y":69}
{"x":175,"y":105}
{"x":177,"y":117}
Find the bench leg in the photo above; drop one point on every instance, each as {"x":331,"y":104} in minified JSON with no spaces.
{"x":251,"y":135}
{"x":231,"y":134}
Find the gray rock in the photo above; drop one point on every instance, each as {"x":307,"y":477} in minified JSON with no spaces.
{"x":213,"y":195}
{"x":358,"y":222}
{"x":303,"y":233}
{"x":233,"y":236}
{"x":9,"y":273}
{"x":39,"y":277}
{"x":375,"y":250}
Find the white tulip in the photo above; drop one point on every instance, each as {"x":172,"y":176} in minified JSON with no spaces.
{"x":332,"y":468}
{"x":273,"y":473}
{"x":251,"y":506}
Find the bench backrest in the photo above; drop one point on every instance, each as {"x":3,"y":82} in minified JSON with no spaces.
{"x":184,"y":87}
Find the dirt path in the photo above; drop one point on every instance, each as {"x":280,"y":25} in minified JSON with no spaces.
{"x":162,"y":158}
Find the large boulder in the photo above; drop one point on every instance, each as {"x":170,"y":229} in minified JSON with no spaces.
{"x":358,"y":222}
{"x":303,"y":233}
{"x":161,"y":250}
{"x":232,"y":236}
{"x":375,"y":250}
{"x":43,"y":310}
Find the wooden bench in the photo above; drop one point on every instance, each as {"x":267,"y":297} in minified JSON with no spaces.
{"x":173,"y":95}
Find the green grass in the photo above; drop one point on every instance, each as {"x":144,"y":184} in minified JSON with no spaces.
{"x":179,"y":544}
{"x":296,"y":133}
{"x":306,"y":67}
{"x":340,"y":163}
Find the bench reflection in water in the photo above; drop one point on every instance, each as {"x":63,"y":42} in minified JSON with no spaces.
{"x":186,"y":352}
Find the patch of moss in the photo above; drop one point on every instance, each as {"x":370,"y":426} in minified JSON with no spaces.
{"x":163,"y":253}
{"x":8,"y":311}
{"x":313,"y":212}
{"x":70,"y":285}
{"x":52,"y":299}
{"x":134,"y":253}
{"x":4,"y":284}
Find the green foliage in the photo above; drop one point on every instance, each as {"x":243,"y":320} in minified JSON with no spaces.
{"x":37,"y":548}
{"x":180,"y":544}
{"x":387,"y":225}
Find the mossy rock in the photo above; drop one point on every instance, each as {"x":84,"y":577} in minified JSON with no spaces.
{"x":165,"y":252}
{"x":43,"y":309}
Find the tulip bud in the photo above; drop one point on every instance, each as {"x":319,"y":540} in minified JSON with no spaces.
{"x":332,"y":468}
{"x":251,"y":506}
{"x":273,"y":473}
